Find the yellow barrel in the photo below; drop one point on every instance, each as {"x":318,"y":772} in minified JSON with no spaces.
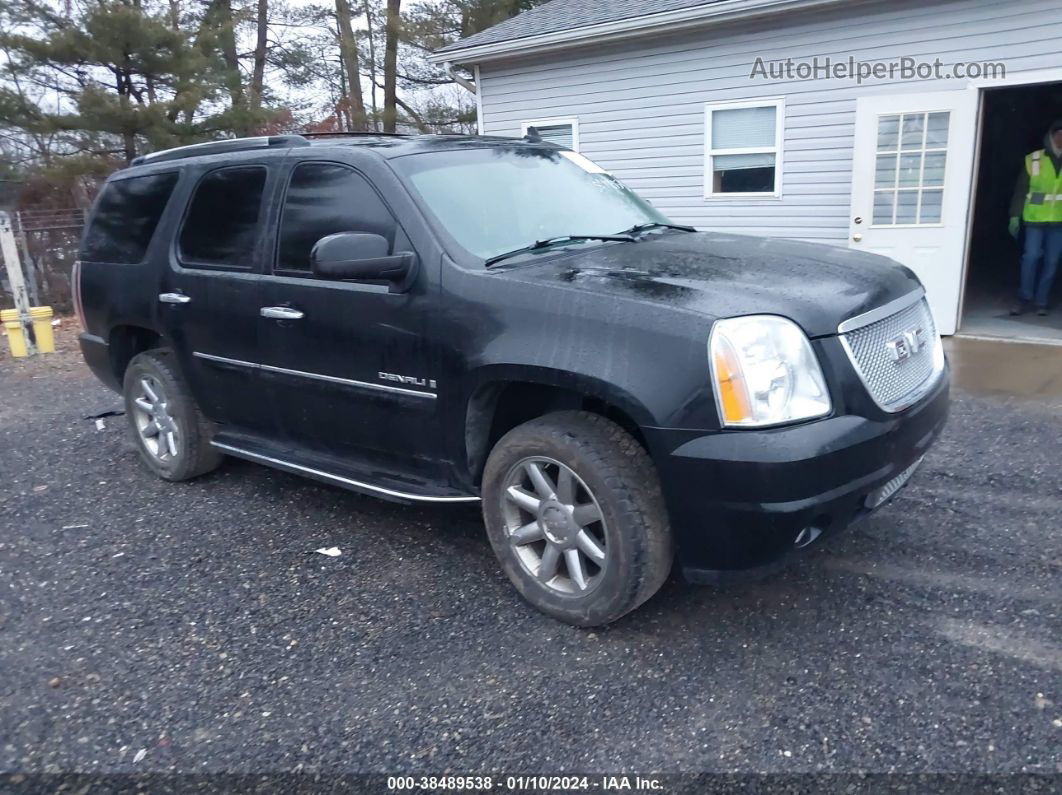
{"x":42,"y":330}
{"x":9,"y":317}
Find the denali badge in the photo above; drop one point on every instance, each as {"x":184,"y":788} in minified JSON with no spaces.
{"x":408,"y":379}
{"x":910,"y":343}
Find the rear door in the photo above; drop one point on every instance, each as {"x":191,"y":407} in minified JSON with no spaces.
{"x":209,"y":298}
{"x":331,"y":350}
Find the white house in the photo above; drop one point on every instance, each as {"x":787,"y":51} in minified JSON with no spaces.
{"x":894,"y":126}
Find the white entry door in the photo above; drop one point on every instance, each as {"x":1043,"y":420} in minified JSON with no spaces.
{"x":911,"y":187}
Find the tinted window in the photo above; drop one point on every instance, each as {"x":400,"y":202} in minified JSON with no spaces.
{"x":322,"y":199}
{"x":125,"y":218}
{"x":223,"y":218}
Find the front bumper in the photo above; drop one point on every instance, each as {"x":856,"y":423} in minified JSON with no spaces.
{"x":740,"y":499}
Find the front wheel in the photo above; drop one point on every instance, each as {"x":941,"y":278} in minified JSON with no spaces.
{"x":575,"y":514}
{"x":170,"y":432}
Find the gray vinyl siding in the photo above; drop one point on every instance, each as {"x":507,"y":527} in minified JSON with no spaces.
{"x":640,"y":105}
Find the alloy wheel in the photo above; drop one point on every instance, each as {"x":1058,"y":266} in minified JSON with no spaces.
{"x":555,"y":526}
{"x":159,"y":432}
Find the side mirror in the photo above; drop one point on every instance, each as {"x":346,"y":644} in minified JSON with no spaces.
{"x":362,"y":257}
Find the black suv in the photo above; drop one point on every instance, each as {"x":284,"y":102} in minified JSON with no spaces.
{"x":456,"y":318}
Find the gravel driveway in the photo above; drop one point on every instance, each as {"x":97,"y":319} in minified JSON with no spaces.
{"x":192,"y":627}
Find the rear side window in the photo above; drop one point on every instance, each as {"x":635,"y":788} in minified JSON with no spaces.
{"x":222,"y":220}
{"x":125,"y":218}
{"x":322,"y":199}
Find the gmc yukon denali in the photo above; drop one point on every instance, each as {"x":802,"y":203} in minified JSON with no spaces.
{"x":458,"y":319}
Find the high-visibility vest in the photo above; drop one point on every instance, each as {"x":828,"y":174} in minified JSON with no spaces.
{"x":1043,"y":202}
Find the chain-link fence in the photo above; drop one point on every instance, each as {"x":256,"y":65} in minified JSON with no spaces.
{"x":47,"y":244}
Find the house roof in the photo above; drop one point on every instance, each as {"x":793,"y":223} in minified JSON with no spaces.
{"x":565,"y":23}
{"x":559,"y":15}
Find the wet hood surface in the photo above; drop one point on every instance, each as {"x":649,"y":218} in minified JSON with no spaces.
{"x":721,"y":275}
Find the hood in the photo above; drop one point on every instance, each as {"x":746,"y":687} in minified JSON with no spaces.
{"x":721,"y":275}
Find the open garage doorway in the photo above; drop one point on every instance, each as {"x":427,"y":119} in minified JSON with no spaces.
{"x":1014,"y":122}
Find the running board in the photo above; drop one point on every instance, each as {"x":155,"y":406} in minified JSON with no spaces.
{"x":339,"y":480}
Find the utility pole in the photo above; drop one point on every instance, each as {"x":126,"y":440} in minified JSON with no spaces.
{"x":9,"y":250}
{"x":31,"y":270}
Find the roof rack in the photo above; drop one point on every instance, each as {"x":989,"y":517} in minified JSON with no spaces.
{"x":336,"y":134}
{"x":218,"y":147}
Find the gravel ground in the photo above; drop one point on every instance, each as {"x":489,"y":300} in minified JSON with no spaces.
{"x":148,"y":626}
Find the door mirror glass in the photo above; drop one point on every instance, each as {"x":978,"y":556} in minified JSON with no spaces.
{"x":362,"y":257}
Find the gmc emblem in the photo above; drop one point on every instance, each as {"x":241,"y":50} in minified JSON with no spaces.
{"x":906,"y":345}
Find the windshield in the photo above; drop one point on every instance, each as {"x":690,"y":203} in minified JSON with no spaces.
{"x":494,"y":200}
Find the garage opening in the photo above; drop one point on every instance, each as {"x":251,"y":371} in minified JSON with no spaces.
{"x":1014,"y":122}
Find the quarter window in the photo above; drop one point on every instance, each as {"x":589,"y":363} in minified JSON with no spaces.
{"x":743,"y":148}
{"x":323,"y":199}
{"x":125,"y":218}
{"x":222,"y":221}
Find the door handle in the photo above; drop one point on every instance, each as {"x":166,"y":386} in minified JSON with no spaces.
{"x":280,"y":313}
{"x":174,"y":298}
{"x":857,"y":237}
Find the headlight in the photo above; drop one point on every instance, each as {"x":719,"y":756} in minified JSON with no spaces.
{"x":765,"y":372}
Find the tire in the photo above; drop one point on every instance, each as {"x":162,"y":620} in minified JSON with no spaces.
{"x":611,"y":477}
{"x":175,"y":411}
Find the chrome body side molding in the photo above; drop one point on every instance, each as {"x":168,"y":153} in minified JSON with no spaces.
{"x":332,"y":379}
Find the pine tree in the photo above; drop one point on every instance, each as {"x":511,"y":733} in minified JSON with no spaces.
{"x":428,"y":25}
{"x":121,"y":76}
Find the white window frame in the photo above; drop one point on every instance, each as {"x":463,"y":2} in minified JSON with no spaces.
{"x":921,"y":188}
{"x":573,"y":121}
{"x":778,"y":103}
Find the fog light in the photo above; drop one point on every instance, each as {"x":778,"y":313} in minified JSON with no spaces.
{"x":806,"y":536}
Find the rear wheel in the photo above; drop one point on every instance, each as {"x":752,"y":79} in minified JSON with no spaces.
{"x":170,"y":432}
{"x":574,"y":511}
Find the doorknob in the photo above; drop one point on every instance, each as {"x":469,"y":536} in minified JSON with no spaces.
{"x":174,"y":298}
{"x":281,"y":313}
{"x":857,"y":237}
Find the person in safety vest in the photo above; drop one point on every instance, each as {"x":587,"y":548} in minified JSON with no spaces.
{"x":1038,"y":203}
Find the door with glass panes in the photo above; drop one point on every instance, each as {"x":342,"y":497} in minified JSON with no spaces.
{"x":911,"y":187}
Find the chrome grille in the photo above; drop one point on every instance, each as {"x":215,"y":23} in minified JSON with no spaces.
{"x":893,"y":382}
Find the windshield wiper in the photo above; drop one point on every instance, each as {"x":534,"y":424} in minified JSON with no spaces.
{"x":538,"y":245}
{"x":656,"y":225}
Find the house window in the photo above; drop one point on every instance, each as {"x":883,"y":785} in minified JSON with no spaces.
{"x":743,"y":148}
{"x":564,"y":132}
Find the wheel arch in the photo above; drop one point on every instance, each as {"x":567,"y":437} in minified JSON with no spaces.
{"x":124,"y":341}
{"x":503,"y":398}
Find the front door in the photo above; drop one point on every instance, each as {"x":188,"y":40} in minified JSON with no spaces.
{"x":911,"y":187}
{"x":348,"y":366}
